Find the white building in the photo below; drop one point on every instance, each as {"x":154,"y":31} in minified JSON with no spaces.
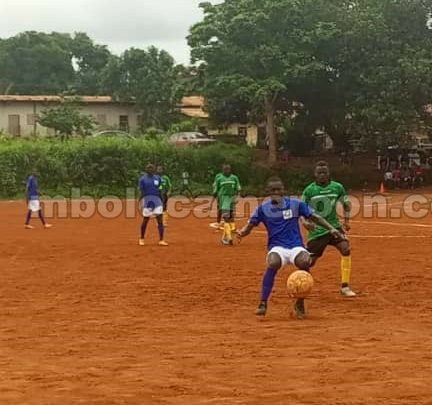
{"x":17,"y":113}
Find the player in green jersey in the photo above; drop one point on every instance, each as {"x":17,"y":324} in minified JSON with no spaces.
{"x":165,"y":189}
{"x":323,"y":195}
{"x":226,"y":189}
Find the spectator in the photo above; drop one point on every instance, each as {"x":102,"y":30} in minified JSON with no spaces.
{"x":396,"y":176}
{"x":417,"y":176}
{"x":388,"y":179}
{"x":405,"y":176}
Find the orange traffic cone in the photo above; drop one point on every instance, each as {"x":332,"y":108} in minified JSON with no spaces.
{"x":382,"y":188}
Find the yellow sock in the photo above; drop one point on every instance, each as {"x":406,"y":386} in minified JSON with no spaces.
{"x":346,"y":269}
{"x":165,"y":218}
{"x":227,"y":231}
{"x":233,"y":227}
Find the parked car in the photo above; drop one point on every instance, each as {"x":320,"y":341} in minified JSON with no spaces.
{"x":114,"y":133}
{"x":190,"y":139}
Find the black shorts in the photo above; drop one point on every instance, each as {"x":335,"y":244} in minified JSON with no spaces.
{"x":316,"y":247}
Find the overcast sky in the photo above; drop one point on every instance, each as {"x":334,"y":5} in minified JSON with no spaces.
{"x":119,"y":24}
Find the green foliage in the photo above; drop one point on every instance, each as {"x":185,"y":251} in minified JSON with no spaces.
{"x":67,"y":119}
{"x":147,"y":77}
{"x":109,"y":165}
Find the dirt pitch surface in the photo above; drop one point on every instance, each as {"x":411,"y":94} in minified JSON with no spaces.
{"x":89,"y":317}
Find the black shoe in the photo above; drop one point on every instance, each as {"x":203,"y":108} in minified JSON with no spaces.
{"x":299,"y":309}
{"x":262,"y":309}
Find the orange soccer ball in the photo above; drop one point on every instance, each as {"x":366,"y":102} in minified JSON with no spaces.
{"x":300,"y":284}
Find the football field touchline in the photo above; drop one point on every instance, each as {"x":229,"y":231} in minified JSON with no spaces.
{"x":393,"y":223}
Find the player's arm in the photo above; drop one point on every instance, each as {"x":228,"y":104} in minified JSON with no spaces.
{"x":169,"y":186}
{"x":307,"y":223}
{"x":320,"y":221}
{"x":254,"y":221}
{"x":27,"y":191}
{"x":216,"y":186}
{"x":347,"y":209}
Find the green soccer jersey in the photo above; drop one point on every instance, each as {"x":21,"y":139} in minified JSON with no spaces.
{"x":226,"y":188}
{"x":166,"y":186}
{"x":323,"y":200}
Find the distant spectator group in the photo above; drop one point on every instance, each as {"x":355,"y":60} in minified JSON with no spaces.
{"x":403,"y":168}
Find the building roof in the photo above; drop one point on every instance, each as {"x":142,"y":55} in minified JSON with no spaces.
{"x":192,"y":106}
{"x":57,"y":99}
{"x":192,"y":101}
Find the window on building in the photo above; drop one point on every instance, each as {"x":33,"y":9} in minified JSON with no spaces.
{"x":242,"y":131}
{"x":124,"y":122}
{"x":31,"y":119}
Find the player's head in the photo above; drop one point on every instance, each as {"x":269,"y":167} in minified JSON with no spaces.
{"x":226,"y":170}
{"x":150,"y":169}
{"x":275,"y":189}
{"x":322,"y":173}
{"x":160,"y":170}
{"x":34,"y":172}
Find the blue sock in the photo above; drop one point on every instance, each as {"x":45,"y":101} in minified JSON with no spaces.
{"x":161,"y":229}
{"x":143,"y":228}
{"x":28,"y":218}
{"x":268,"y":282}
{"x":41,"y":217}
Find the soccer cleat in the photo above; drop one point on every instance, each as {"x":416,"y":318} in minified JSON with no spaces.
{"x":299,"y":309}
{"x":47,"y":226}
{"x":227,"y":242}
{"x":141,"y":242}
{"x":347,"y":292}
{"x":162,"y":243}
{"x":262,"y":309}
{"x":29,"y":227}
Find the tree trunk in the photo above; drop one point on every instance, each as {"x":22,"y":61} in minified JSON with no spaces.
{"x":270,"y":129}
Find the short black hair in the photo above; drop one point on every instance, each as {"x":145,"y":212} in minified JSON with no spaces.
{"x":321,"y":163}
{"x":274,"y":179}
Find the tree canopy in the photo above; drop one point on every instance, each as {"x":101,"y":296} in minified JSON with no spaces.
{"x":349,"y":66}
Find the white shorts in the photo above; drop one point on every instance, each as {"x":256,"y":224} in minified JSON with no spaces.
{"x":152,"y":212}
{"x":34,"y":205}
{"x":287,"y":256}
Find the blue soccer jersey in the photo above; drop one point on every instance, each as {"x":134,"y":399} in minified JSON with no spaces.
{"x":282,"y":222}
{"x":32,"y":188}
{"x":150,"y":188}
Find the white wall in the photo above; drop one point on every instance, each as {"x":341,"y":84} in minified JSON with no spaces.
{"x":26,"y":109}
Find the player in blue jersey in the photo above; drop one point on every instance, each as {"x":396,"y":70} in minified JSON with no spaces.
{"x":32,"y":199}
{"x":280,"y":215}
{"x":151,"y":201}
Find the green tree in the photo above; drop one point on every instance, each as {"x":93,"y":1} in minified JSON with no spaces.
{"x":147,"y":77}
{"x":36,"y":63}
{"x":257,"y":50}
{"x":67,"y":119}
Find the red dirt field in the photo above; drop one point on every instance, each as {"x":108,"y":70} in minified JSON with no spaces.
{"x":89,"y":317}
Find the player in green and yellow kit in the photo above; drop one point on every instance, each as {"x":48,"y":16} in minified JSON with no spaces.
{"x":323,"y":195}
{"x":165,"y":190}
{"x":226,"y":189}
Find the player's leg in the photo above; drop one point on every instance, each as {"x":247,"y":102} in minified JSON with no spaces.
{"x":316,"y":248}
{"x":165,"y":209}
{"x":147,"y":213}
{"x":274,"y":262}
{"x":345,"y":251}
{"x":28,"y":219}
{"x":227,"y":232}
{"x":42,"y":219}
{"x":232,"y":217}
{"x":161,"y":227}
{"x":302,"y":259}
